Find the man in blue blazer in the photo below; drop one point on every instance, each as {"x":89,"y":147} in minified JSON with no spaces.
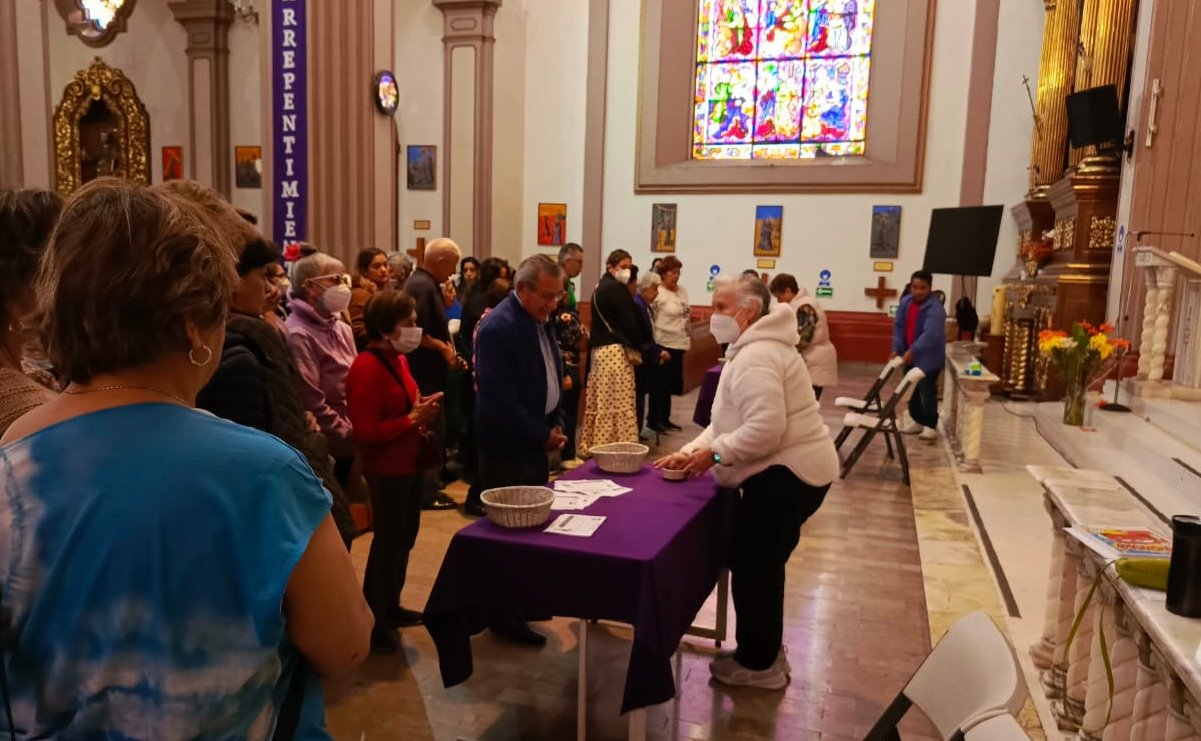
{"x":919,"y":336}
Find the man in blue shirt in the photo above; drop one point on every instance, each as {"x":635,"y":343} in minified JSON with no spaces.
{"x":919,"y":337}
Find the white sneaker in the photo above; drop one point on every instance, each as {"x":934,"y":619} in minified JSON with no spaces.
{"x":781,"y":659}
{"x":928,"y":435}
{"x":729,"y":671}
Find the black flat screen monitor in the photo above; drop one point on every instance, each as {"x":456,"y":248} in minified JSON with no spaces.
{"x":1094,"y":118}
{"x":963,"y":241}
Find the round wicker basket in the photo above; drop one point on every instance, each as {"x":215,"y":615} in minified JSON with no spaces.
{"x":619,"y":457}
{"x":518,"y":506}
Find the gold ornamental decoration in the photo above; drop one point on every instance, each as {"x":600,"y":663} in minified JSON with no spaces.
{"x":101,"y":128}
{"x":1065,"y":234}
{"x":1100,"y":232}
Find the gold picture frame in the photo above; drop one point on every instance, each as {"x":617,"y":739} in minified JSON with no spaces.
{"x":125,"y":140}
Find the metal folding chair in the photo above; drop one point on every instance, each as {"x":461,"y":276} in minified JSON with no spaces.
{"x":870,"y":401}
{"x":885,"y":422}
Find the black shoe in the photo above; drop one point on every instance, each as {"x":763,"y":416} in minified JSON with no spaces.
{"x":519,"y":631}
{"x":642,"y":438}
{"x":405,"y":618}
{"x":474,"y":508}
{"x":440,"y":502}
{"x":669,"y":425}
{"x":384,"y":641}
{"x":656,"y":428}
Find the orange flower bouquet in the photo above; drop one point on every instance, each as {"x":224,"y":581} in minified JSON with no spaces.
{"x":1081,"y":356}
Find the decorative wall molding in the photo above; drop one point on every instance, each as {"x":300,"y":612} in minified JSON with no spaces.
{"x":88,"y":29}
{"x":207,"y":25}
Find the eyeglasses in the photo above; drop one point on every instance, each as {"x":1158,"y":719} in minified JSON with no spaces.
{"x":342,"y":278}
{"x":550,"y":297}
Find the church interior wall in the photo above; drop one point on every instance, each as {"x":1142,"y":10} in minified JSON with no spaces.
{"x":515,"y":90}
{"x":35,"y":99}
{"x":246,"y":104}
{"x":151,"y":54}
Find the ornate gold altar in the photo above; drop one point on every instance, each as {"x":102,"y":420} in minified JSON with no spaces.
{"x":1084,"y":45}
{"x":100,"y":128}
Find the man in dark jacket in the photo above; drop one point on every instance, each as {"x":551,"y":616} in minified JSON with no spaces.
{"x":518,"y":404}
{"x":919,"y":336}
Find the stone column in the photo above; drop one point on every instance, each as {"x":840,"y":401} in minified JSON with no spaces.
{"x":1055,"y":72}
{"x":207,"y":25}
{"x":1106,"y":33}
{"x":469,"y":24}
{"x":11,"y":160}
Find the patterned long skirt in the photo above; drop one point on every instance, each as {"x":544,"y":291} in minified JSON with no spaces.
{"x":609,"y":406}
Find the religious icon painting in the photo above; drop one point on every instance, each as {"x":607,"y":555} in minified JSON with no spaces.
{"x":172,"y":163}
{"x":248,"y":167}
{"x":886,"y":231}
{"x":552,"y":224}
{"x":422,"y":166}
{"x":663,"y":227}
{"x":769,"y":222}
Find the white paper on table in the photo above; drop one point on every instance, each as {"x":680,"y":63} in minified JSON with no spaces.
{"x":580,"y":526}
{"x":571,"y":500}
{"x":599,"y":487}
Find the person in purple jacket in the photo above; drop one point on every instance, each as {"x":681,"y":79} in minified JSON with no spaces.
{"x":919,"y":337}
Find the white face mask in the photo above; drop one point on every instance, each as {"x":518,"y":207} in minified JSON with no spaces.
{"x":622,"y":276}
{"x":724,"y":328}
{"x":336,"y":298}
{"x":407,"y":341}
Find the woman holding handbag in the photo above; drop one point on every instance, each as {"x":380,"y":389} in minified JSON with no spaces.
{"x":389,"y":417}
{"x":609,"y":413}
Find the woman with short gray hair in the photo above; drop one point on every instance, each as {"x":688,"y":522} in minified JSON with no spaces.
{"x":767,"y":439}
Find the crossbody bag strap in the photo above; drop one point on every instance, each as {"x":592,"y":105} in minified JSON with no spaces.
{"x":392,"y":372}
{"x":596,"y":306}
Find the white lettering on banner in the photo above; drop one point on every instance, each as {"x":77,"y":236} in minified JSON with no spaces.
{"x":289,"y":189}
{"x":289,"y":228}
{"x":291,"y":209}
{"x":288,"y":142}
{"x":289,"y":79}
{"x":288,"y":164}
{"x":289,"y":122}
{"x":289,"y":58}
{"x":289,"y":17}
{"x":289,"y":101}
{"x":289,"y":38}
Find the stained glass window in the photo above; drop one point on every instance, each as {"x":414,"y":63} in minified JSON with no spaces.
{"x":782,"y":79}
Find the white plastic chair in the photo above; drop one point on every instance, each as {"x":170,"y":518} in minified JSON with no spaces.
{"x":870,"y":401}
{"x":972,"y":674}
{"x":997,"y":728}
{"x":885,"y":422}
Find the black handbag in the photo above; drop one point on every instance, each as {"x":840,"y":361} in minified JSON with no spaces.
{"x":428,"y":454}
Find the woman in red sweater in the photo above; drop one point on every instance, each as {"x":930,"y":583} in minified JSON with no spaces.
{"x":388,"y":413}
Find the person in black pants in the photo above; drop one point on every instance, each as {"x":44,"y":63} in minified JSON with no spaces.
{"x":518,"y":405}
{"x":647,"y":374}
{"x":573,"y":340}
{"x":767,"y":440}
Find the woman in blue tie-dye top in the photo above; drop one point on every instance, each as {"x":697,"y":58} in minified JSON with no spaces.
{"x":169,"y":575}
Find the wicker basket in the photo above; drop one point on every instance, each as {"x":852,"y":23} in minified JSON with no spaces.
{"x":619,"y":457}
{"x":518,"y":506}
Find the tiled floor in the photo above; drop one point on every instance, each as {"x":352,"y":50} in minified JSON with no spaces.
{"x":856,"y":627}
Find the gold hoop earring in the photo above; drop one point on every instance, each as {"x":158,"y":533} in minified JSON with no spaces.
{"x":207,"y":357}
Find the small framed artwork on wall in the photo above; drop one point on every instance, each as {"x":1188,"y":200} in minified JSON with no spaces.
{"x":769,"y":223}
{"x":552,"y":224}
{"x":886,"y":232}
{"x":422,"y":160}
{"x":248,"y":167}
{"x":172,"y":163}
{"x":663,"y":227}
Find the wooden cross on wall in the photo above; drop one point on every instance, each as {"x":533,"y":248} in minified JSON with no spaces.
{"x":880,"y":293}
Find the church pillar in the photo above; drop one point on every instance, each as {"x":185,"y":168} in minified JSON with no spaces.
{"x":1106,"y":33}
{"x":350,"y":208}
{"x":1055,"y":73}
{"x":468,"y":40}
{"x":207,"y":25}
{"x":11,"y":160}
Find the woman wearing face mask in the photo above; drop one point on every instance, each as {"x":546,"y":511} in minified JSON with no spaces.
{"x":323,"y":346}
{"x":768,"y":440}
{"x":609,"y":413}
{"x":388,"y":413}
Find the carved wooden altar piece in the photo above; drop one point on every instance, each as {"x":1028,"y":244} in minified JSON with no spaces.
{"x":101,"y":129}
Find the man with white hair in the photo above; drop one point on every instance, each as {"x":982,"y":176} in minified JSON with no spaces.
{"x":433,"y":359}
{"x":768,"y":440}
{"x":323,"y":347}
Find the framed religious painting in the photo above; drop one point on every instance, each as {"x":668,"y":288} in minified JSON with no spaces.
{"x":769,"y":227}
{"x":248,"y":167}
{"x":552,"y":224}
{"x":886,"y":232}
{"x":172,"y":163}
{"x":663,"y":227}
{"x":421,"y":160}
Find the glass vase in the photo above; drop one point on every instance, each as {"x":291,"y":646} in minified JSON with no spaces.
{"x":1073,"y":401}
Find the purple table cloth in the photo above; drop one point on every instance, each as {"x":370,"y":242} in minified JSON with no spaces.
{"x":708,"y":392}
{"x":652,"y":564}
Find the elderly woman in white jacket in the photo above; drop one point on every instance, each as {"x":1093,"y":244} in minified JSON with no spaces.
{"x":768,"y":440}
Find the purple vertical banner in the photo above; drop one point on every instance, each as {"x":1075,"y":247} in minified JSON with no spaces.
{"x":290,"y":108}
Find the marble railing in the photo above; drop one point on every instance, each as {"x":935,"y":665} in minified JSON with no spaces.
{"x":964,"y":396}
{"x":1154,"y":654}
